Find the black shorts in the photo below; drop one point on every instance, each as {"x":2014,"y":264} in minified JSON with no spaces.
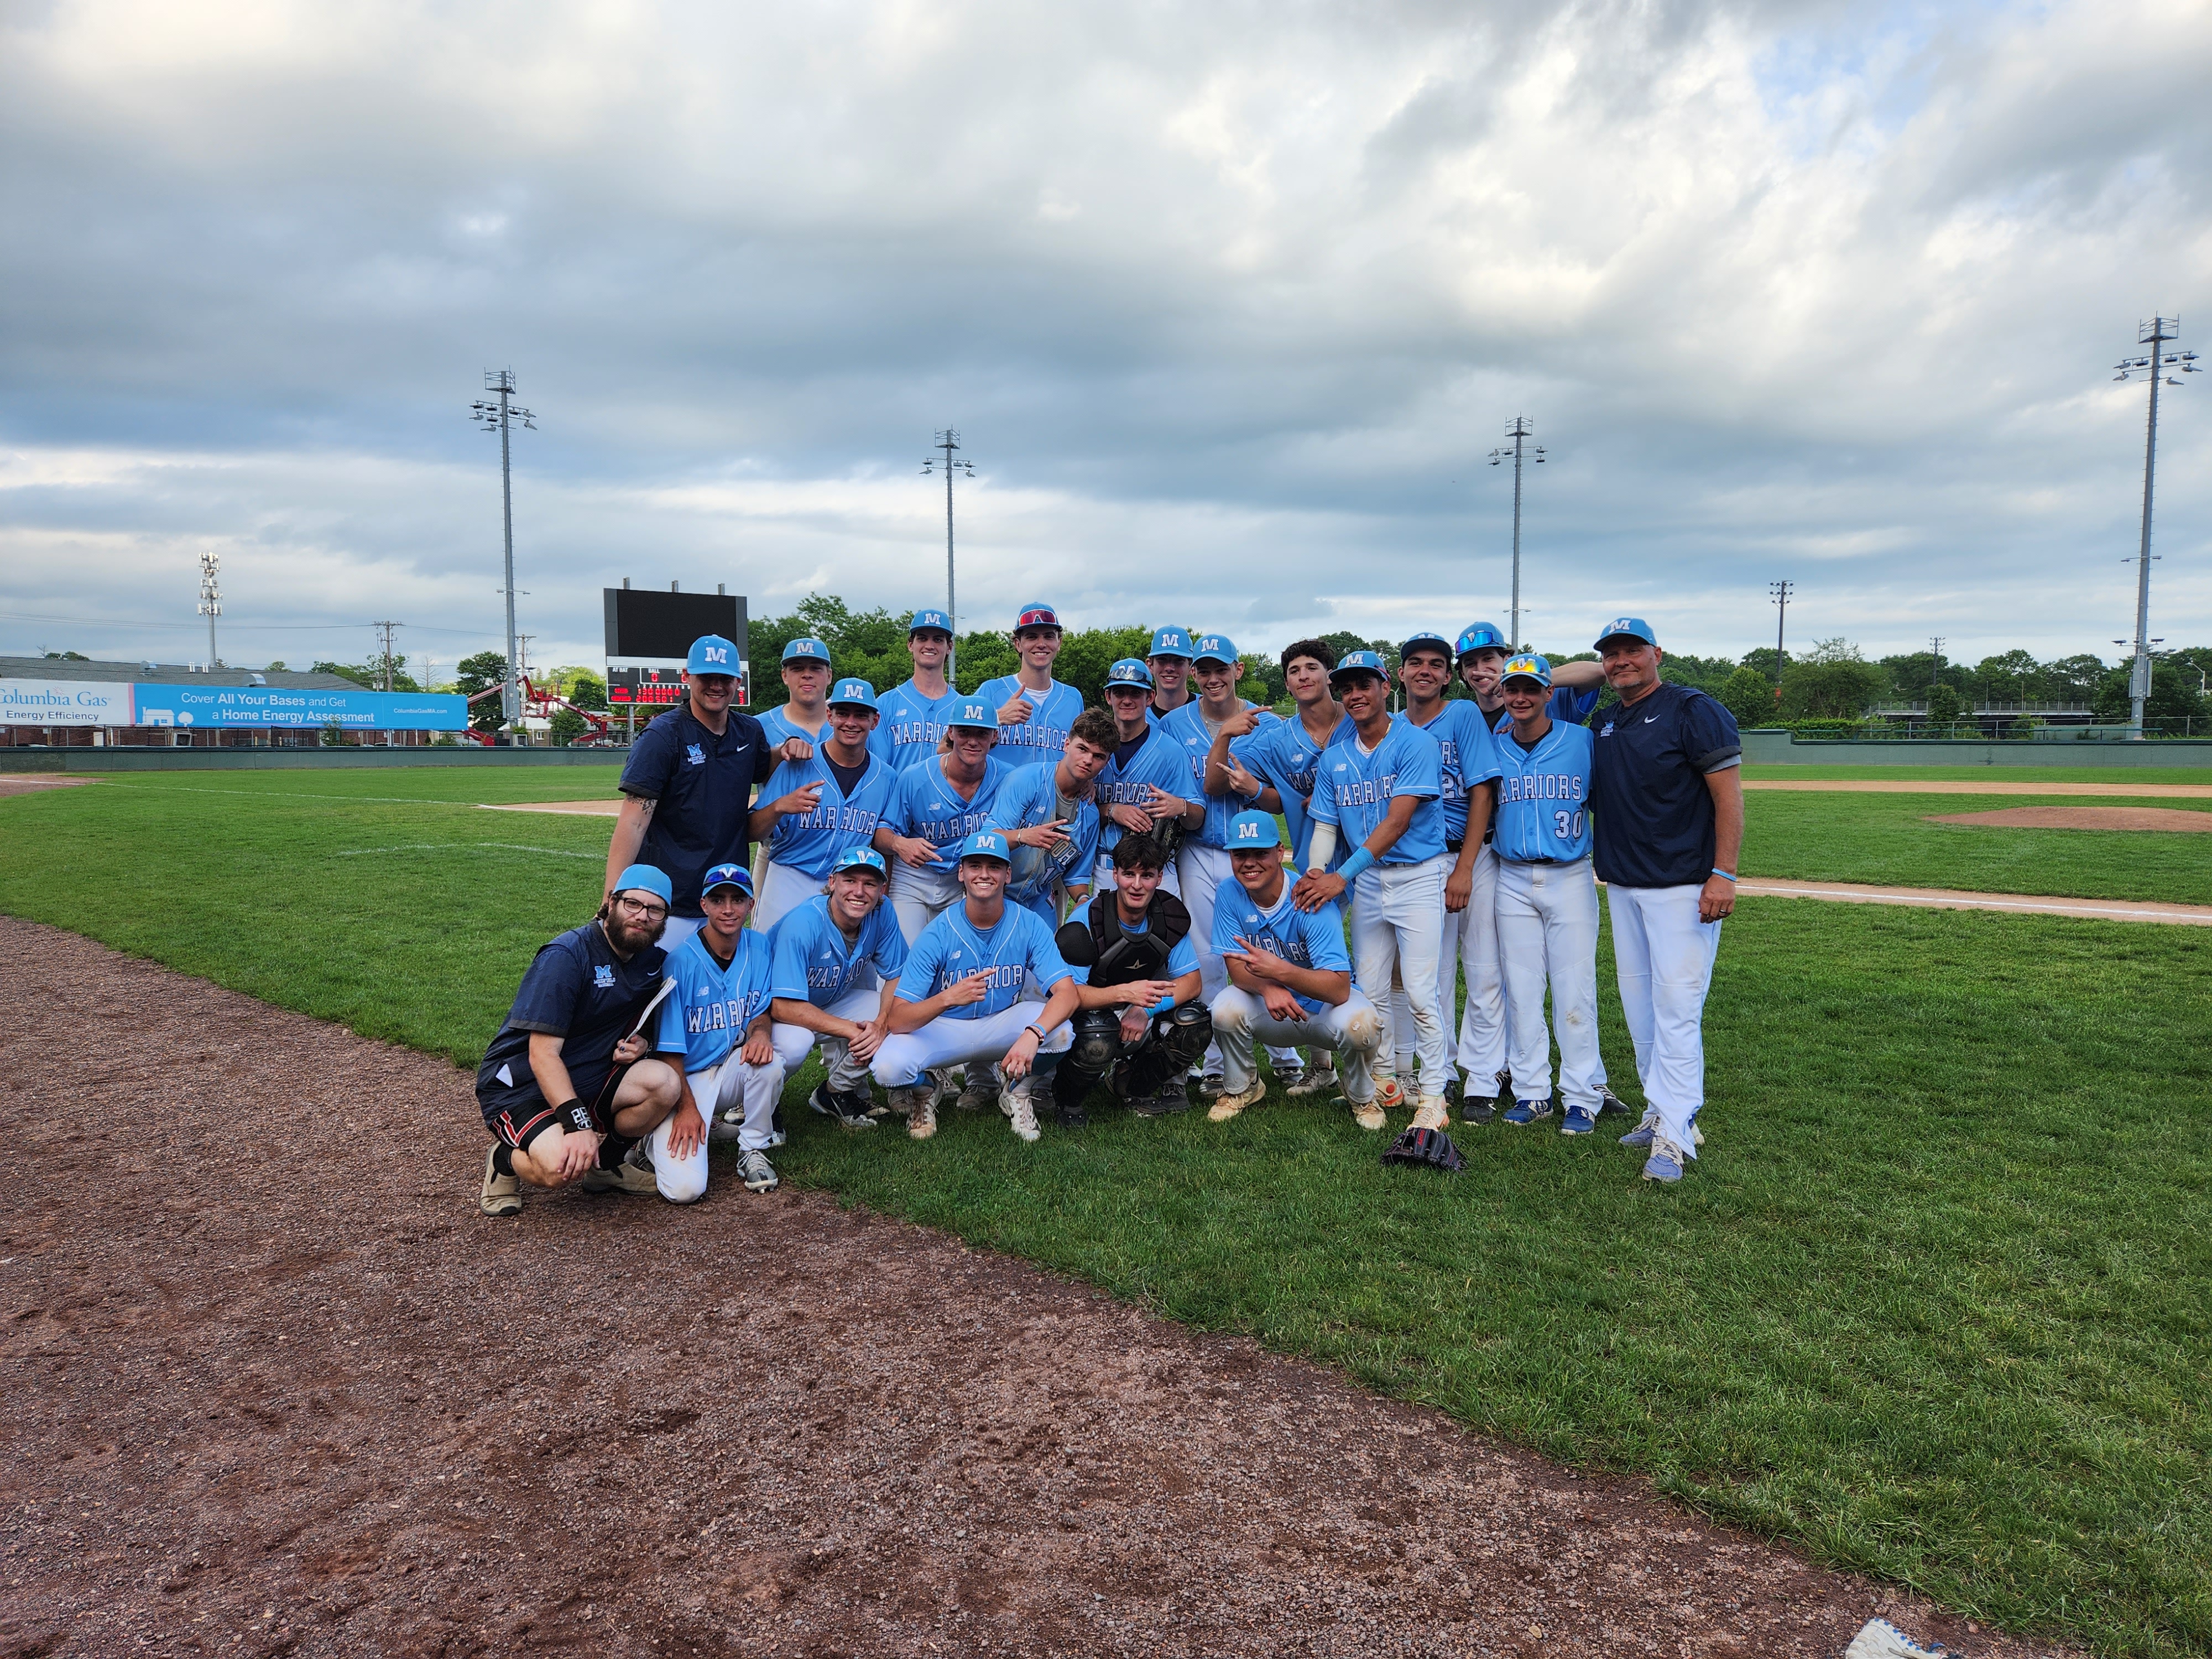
{"x":519,"y":1115}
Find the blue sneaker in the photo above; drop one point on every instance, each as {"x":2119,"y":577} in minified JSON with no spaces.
{"x":1664,"y":1165}
{"x":1524,"y":1112}
{"x":1641,"y":1134}
{"x":1578,"y":1121}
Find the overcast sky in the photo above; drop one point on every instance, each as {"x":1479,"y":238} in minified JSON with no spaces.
{"x":1228,"y":303}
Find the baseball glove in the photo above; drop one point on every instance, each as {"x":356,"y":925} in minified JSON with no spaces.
{"x":1430,"y":1146}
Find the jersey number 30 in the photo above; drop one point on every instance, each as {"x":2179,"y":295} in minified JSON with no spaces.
{"x":1568,"y":826}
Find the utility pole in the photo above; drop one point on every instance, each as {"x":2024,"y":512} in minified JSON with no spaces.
{"x":385,"y":631}
{"x":211,"y":606}
{"x":1522,"y":429}
{"x":948,"y":440}
{"x":2154,"y":334}
{"x":500,"y":417}
{"x":1781,"y":592}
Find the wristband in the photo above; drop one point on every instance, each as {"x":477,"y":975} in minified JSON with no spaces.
{"x":1724,"y":875}
{"x":1038,"y":1031}
{"x":579,"y":1116}
{"x":1350,"y":869}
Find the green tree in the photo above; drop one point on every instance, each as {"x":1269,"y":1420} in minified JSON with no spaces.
{"x":1749,"y":696}
{"x":582,"y":687}
{"x":276,"y":668}
{"x":1945,"y":703}
{"x":566,"y":726}
{"x":2173,"y":694}
{"x":1832,"y":683}
{"x":370,"y":676}
{"x":480,"y":673}
{"x":1763,"y":661}
{"x":67,"y":656}
{"x":1708,"y":674}
{"x":2073,"y":680}
{"x":345,"y":670}
{"x":2014,"y":677}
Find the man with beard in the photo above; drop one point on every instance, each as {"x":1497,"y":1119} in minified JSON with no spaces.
{"x":566,"y":1087}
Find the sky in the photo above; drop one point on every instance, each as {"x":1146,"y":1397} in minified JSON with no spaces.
{"x":1229,"y":304}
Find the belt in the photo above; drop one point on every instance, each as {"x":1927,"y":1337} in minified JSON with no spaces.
{"x":1453,"y":847}
{"x":1503,"y":860}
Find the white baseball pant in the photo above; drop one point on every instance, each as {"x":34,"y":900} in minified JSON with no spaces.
{"x":900,"y":1063}
{"x":918,"y":897}
{"x":1204,"y":869}
{"x":782,"y":889}
{"x":1664,"y":957}
{"x":1351,"y":1031}
{"x":717,"y":1089}
{"x":1473,"y":934}
{"x":794,"y":1042}
{"x":1547,"y":928}
{"x":1396,"y":928}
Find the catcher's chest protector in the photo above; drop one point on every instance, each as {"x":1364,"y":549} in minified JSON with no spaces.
{"x":1167,"y":922}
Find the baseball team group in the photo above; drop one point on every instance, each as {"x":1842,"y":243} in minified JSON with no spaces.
{"x":1003,"y":895}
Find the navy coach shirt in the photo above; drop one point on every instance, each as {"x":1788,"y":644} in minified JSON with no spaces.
{"x":1653,"y":812}
{"x":702,"y":789}
{"x":579,"y":990}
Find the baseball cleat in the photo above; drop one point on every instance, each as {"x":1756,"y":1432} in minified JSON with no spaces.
{"x":633,"y":1175}
{"x":921,"y":1122}
{"x":1476,"y":1108}
{"x":1579,"y":1121}
{"x":1226,"y":1106}
{"x":849,"y":1111}
{"x":1211,"y":1086}
{"x":1314,"y":1080}
{"x":1431,"y":1114}
{"x":1021,"y":1115}
{"x":1174,"y":1096}
{"x":1503,"y":1087}
{"x":756,"y":1172}
{"x":1388,"y":1095}
{"x":1608,"y":1102}
{"x":776,"y":1134}
{"x":1665,"y":1164}
{"x":502,"y":1194}
{"x":1451,"y":1092}
{"x":727,"y":1126}
{"x":977,"y":1095}
{"x":1524,"y":1112}
{"x":1368,"y":1113}
{"x":1644,"y":1133}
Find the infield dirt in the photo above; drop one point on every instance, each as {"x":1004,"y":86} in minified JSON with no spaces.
{"x":277,"y":1387}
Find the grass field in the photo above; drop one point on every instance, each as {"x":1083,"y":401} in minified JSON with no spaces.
{"x":2122,"y":775}
{"x":1935,"y":1305}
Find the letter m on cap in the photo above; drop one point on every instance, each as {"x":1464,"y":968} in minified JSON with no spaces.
{"x":715,"y":654}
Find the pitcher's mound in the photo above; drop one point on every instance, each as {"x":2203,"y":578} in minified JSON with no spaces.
{"x":2082,"y":818}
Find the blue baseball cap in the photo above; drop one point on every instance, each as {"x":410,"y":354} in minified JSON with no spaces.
{"x":1130,"y":670}
{"x":1359,"y":662}
{"x":712,"y":654}
{"x":1426,"y":636}
{"x":853,"y":691}
{"x":804,"y":649}
{"x":1633,"y":628}
{"x":986,"y":844}
{"x":936,"y":619}
{"x":1482,"y":636}
{"x":859,"y":857}
{"x":1169,"y":642}
{"x":1215,"y":647}
{"x":977,"y":716}
{"x":1036,"y":614}
{"x":727,"y":875}
{"x":1254,"y":831}
{"x":646,"y":878}
{"x":1527,"y":668}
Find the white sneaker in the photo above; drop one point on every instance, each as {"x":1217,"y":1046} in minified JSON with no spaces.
{"x":921,"y":1122}
{"x":1317,"y":1080}
{"x":1433,"y":1112}
{"x":1368,"y":1114}
{"x":1022,"y":1113}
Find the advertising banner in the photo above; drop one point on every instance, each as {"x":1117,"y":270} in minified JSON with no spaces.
{"x":270,"y":705}
{"x":64,"y":702}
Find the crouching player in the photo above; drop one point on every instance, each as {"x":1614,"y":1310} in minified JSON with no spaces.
{"x":715,"y":1026}
{"x":837,"y":959}
{"x":1138,"y":1017}
{"x":1290,"y":978}
{"x":960,"y":1001}
{"x":565,"y":1087}
{"x":1546,"y":901}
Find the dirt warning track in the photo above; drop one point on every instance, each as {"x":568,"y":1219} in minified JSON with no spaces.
{"x":277,"y":1387}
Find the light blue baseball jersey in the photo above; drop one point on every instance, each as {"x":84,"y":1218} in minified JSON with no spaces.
{"x":1464,"y":737}
{"x":1353,"y":790}
{"x":1187,"y":728}
{"x":813,"y":962}
{"x":923,"y":804}
{"x":909,"y":726}
{"x":1182,"y":955}
{"x":1157,"y":763}
{"x":777,"y":724}
{"x":809,"y":842}
{"x":1030,"y":797}
{"x":952,"y":947}
{"x":706,"y":1015}
{"x":1282,"y":755}
{"x":1302,"y":939}
{"x":1044,"y":735}
{"x":1543,"y":797}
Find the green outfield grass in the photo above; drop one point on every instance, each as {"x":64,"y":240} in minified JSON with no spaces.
{"x":1937,"y":1303}
{"x":2122,"y":775}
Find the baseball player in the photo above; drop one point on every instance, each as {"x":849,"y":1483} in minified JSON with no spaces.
{"x":687,"y":785}
{"x":1383,"y":786}
{"x":1049,"y":817}
{"x":960,"y":999}
{"x":714,"y":1029}
{"x":1139,"y":1020}
{"x":1424,"y":669}
{"x":1290,"y":979}
{"x":1170,"y":661}
{"x":1034,"y":710}
{"x":913,"y":714}
{"x":937,"y":805}
{"x":806,"y":677}
{"x":1482,"y":651}
{"x":813,"y":810}
{"x":1137,"y":791}
{"x":566,"y":1086}
{"x":836,"y":960}
{"x":1546,"y":900}
{"x":1670,"y":800}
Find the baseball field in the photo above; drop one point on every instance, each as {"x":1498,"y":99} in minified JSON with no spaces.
{"x":1936,"y":1306}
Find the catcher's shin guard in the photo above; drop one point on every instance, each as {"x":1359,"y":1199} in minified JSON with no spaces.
{"x":1097,"y":1042}
{"x":1185,"y":1032}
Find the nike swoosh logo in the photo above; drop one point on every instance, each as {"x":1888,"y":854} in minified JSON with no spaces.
{"x":1648,"y":719}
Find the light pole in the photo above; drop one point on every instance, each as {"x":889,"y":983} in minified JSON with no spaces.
{"x":949,"y":440}
{"x":500,"y":417}
{"x":211,"y":606}
{"x":1520,"y":432}
{"x":2154,"y":334}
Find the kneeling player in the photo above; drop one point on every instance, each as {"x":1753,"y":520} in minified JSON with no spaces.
{"x":837,"y":959}
{"x":716,"y":1028}
{"x":1138,"y":1018}
{"x":566,"y":1087}
{"x":1290,"y":978}
{"x":960,"y":1001}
